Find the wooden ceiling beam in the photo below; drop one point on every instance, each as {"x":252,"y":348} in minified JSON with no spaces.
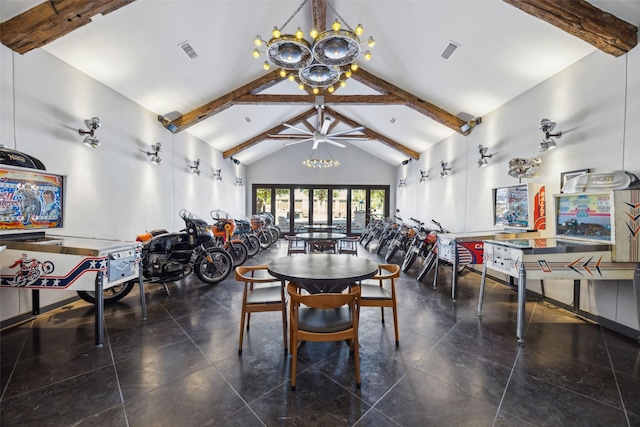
{"x":420,"y":105}
{"x":225,"y":101}
{"x":319,"y":14}
{"x":51,"y":20}
{"x":375,"y":135}
{"x":585,"y":21}
{"x":265,"y":135}
{"x":252,"y":99}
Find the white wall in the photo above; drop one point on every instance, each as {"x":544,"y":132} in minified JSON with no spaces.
{"x":356,"y":167}
{"x":113,"y":192}
{"x":596,"y":103}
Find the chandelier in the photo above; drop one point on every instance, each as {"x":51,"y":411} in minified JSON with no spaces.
{"x":322,"y":64}
{"x":314,"y":161}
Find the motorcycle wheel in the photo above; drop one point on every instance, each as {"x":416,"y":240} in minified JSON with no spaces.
{"x":265,"y":239}
{"x":216,"y":269}
{"x":429,"y":262}
{"x":275,"y":235}
{"x":239,"y":253}
{"x":253,"y":244}
{"x":409,"y":258}
{"x":111,"y":295}
{"x":393,"y":248}
{"x":368,"y":240}
{"x":381,"y":244}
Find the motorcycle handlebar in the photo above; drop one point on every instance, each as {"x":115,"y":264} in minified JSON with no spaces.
{"x":417,"y":221}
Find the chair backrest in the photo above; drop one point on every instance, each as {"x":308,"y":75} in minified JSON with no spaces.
{"x":323,"y":300}
{"x":295,"y":245}
{"x":387,"y":271}
{"x":348,"y":245}
{"x":247,"y":274}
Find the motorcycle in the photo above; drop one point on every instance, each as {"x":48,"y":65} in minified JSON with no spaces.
{"x":223,"y":228}
{"x":167,"y":257}
{"x":243,"y":232}
{"x":419,"y":246}
{"x":430,"y":259}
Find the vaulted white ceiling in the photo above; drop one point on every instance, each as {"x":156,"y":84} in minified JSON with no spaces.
{"x":503,"y":52}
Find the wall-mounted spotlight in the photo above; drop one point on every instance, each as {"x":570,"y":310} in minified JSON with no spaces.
{"x":402,"y":182}
{"x":405,"y":162}
{"x":548,"y":143}
{"x":195,"y":168}
{"x":90,"y":140}
{"x":217,"y":174}
{"x":236,"y":161}
{"x":240,"y":181}
{"x":423,"y":176}
{"x":467,"y":126}
{"x":155,"y":158}
{"x":482,"y":161}
{"x":445,"y":169}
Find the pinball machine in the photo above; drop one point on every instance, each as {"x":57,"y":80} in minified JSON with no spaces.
{"x":31,"y":206}
{"x":597,"y":238}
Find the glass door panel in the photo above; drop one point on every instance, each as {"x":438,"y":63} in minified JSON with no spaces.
{"x":300,"y":208}
{"x":358,"y":209}
{"x":339,"y":209}
{"x":283,"y":209}
{"x":377,"y":202}
{"x":263,"y":200}
{"x":320,"y":206}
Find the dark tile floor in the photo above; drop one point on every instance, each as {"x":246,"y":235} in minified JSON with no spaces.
{"x":181,"y":366}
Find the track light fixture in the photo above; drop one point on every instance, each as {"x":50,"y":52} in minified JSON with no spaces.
{"x":217,"y":174}
{"x":90,"y":140}
{"x":423,"y":176}
{"x":402,"y":182}
{"x":155,"y":158}
{"x":548,"y":143}
{"x":240,"y":181}
{"x":482,"y":161}
{"x":195,"y":169}
{"x":405,"y":162}
{"x":445,"y":169}
{"x":235,"y":161}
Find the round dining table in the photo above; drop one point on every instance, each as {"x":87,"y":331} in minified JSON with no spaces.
{"x":320,"y":235}
{"x":319,"y":273}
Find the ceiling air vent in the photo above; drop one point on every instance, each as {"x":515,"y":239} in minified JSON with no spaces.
{"x":448,"y":51}
{"x":188,"y":50}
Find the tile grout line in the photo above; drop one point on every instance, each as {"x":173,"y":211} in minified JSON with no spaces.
{"x":615,"y":377}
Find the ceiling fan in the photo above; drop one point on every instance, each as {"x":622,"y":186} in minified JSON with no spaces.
{"x":320,"y":134}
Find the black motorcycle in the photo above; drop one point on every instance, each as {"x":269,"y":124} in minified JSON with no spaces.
{"x":419,"y":246}
{"x":167,"y":257}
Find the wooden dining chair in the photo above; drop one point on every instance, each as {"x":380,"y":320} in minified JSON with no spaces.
{"x":324,"y":317}
{"x":380,"y":291}
{"x":295,"y":245}
{"x":323,"y":246}
{"x":262,"y":292}
{"x":348,"y":245}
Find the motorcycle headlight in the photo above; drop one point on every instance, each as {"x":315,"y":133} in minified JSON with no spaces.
{"x":422,"y":235}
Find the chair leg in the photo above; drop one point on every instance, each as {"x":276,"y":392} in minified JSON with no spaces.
{"x":395,"y":323}
{"x":382,"y":313}
{"x":284,"y":327}
{"x":294,"y":360}
{"x":241,"y":332}
{"x":356,"y":357}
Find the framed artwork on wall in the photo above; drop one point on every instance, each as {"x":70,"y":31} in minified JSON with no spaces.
{"x":566,"y":176}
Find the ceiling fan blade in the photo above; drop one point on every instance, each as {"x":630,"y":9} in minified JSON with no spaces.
{"x":342,"y":132}
{"x":298,"y":129}
{"x":316,"y":142}
{"x":325,"y":125}
{"x":296,"y":142}
{"x":287,"y":136}
{"x":350,"y":138}
{"x":334,"y":143}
